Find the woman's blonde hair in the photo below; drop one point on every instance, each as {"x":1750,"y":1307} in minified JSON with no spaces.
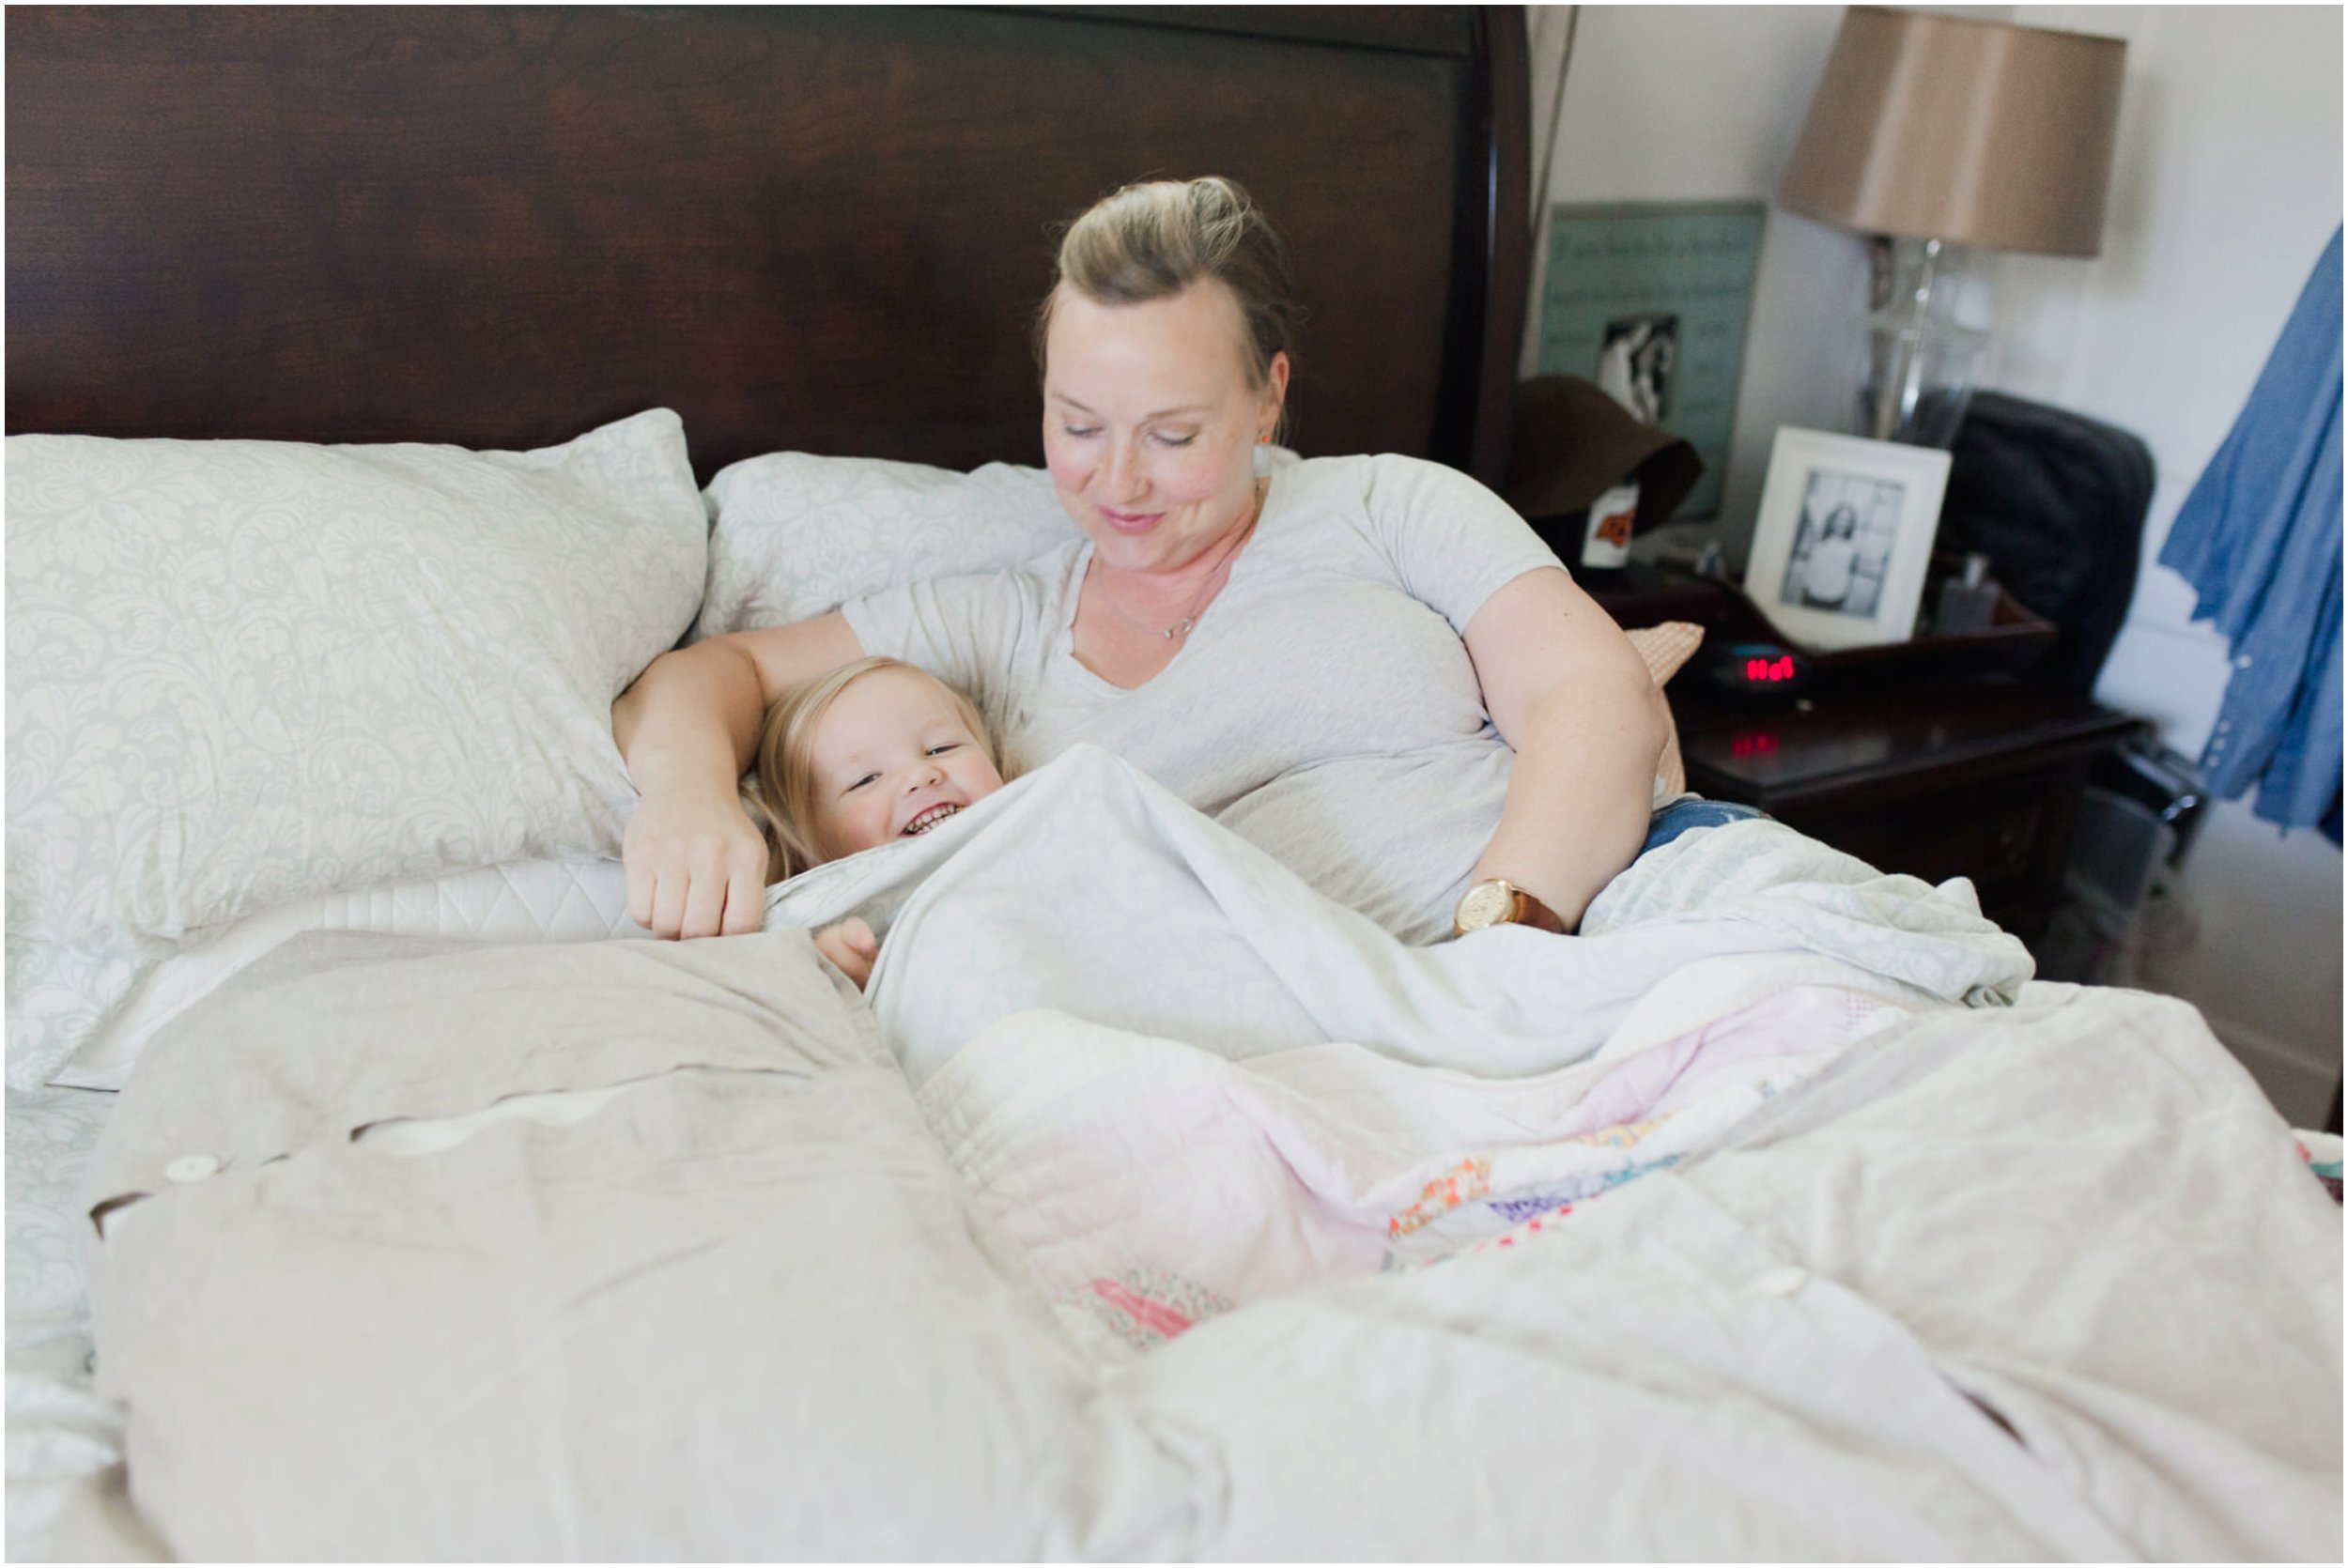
{"x":1154,"y":240}
{"x":780,"y":797}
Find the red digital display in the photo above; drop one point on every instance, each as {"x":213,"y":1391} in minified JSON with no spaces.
{"x":1770,"y":671}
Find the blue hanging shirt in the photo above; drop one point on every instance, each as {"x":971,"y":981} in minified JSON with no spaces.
{"x":2259,"y":540}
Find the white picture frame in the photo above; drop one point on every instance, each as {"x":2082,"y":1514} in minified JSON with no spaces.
{"x":1843,"y":538}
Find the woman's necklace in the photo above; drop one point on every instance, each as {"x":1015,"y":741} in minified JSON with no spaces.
{"x":1198,"y":606}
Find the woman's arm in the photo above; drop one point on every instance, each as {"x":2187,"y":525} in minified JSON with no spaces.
{"x":1570,"y":694}
{"x":686,"y":729}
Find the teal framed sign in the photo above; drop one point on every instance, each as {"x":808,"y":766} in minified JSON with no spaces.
{"x":1651,"y":301}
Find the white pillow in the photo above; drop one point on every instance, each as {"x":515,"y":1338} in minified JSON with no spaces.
{"x":793,"y":535}
{"x":246,"y":672}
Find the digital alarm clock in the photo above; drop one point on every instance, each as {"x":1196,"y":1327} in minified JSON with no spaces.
{"x":1765,"y":669}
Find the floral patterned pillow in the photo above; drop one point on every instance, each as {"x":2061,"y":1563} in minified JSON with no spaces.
{"x":245,"y":672}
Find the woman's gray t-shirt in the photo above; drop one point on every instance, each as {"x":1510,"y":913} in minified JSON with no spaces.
{"x":1325,"y":707}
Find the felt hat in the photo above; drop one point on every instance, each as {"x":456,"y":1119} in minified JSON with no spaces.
{"x":1570,"y":442}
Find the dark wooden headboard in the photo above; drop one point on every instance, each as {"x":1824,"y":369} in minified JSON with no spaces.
{"x":819,"y":229}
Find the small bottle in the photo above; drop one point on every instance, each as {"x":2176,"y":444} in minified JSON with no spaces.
{"x":1969,"y":603}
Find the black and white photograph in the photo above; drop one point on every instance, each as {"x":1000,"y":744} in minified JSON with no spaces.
{"x":1843,"y":536}
{"x":1635,"y":364}
{"x":1849,"y":523}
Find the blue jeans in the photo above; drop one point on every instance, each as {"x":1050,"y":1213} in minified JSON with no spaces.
{"x":1681,"y":816}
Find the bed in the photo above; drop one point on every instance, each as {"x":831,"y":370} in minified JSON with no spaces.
{"x":386,"y":387}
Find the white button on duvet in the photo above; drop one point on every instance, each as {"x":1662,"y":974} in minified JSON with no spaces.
{"x":1782,"y":1281}
{"x":191,"y":1167}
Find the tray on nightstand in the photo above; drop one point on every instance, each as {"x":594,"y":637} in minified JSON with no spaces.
{"x":2014,"y":642}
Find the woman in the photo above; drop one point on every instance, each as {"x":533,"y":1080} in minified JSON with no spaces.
{"x":1369,"y":666}
{"x":1827,"y":578}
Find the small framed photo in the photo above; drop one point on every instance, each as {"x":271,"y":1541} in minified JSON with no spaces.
{"x":1844,"y":537}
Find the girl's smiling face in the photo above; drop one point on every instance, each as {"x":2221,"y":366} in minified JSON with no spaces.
{"x":890,"y":758}
{"x":1150,"y":420}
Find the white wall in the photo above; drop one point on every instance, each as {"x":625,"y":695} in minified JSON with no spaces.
{"x":2227,"y":183}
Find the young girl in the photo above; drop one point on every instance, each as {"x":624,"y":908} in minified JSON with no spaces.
{"x":864,"y":754}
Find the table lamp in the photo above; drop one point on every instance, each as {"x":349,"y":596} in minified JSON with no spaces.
{"x":1933,"y":134}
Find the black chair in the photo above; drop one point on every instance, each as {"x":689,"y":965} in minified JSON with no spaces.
{"x":2056,"y":501}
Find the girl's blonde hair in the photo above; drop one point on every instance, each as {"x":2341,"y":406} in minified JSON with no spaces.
{"x":1154,"y":240}
{"x":780,"y":797}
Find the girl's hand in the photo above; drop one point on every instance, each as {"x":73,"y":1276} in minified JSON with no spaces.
{"x":695,"y":866}
{"x":851,"y":947}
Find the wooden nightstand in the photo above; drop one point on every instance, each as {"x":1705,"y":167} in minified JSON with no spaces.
{"x":1910,"y":769}
{"x":1978,"y":778}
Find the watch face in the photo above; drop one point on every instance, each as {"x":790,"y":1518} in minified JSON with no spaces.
{"x":1487,"y":903}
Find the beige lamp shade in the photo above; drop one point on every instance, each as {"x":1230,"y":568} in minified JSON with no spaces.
{"x":1974,"y":133}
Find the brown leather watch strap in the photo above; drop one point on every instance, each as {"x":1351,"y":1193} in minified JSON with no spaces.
{"x":1532,"y":912}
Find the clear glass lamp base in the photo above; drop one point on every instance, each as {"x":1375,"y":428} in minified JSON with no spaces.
{"x":1922,"y":352}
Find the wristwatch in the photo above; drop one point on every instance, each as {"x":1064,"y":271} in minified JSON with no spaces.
{"x":1497,"y":902}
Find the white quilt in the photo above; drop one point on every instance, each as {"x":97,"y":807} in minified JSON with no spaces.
{"x":1726,"y":1231}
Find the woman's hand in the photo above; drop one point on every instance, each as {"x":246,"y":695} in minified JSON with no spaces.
{"x":695,"y":866}
{"x":851,"y":947}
